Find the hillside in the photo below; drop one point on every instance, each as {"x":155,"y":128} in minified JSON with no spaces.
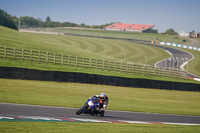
{"x":107,"y":49}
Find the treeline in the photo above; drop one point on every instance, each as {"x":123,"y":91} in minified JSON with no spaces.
{"x":30,"y":22}
{"x":7,"y":20}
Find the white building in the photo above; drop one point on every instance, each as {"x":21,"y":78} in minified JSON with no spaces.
{"x":184,"y":34}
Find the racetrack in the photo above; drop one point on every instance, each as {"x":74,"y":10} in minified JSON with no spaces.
{"x":7,"y":109}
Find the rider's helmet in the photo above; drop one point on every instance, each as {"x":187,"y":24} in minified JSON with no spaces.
{"x":102,"y":95}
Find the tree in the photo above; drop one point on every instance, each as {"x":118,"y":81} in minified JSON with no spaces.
{"x":40,"y":22}
{"x":28,"y":22}
{"x":170,"y":32}
{"x":151,"y":31}
{"x":48,"y":19}
{"x":7,"y":20}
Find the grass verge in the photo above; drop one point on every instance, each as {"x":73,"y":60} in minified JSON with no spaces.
{"x":121,"y":98}
{"x":59,"y":127}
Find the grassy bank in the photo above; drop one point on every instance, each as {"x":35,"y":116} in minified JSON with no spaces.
{"x":107,"y":49}
{"x":121,"y":98}
{"x":52,"y":127}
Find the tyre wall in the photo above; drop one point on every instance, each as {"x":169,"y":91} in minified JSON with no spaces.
{"x":31,"y":74}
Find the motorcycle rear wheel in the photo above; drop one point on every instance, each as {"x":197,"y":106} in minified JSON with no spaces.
{"x":102,"y":114}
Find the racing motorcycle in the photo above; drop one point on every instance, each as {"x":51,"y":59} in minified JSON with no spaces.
{"x":91,"y":106}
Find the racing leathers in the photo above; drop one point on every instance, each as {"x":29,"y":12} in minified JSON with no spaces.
{"x":103,"y":101}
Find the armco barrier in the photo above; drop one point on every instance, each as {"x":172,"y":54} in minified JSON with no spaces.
{"x":179,"y":45}
{"x":31,"y":74}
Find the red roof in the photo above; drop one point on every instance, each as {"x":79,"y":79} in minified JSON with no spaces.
{"x":124,"y":26}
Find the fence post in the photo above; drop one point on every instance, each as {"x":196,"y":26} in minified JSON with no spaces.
{"x":96,"y":63}
{"x":47,"y":58}
{"x":144,"y":70}
{"x":22,"y":54}
{"x":83,"y":62}
{"x":180,"y":73}
{"x":76,"y":61}
{"x":5,"y":52}
{"x":69,"y":60}
{"x":121,"y":67}
{"x":31,"y":55}
{"x":138,"y":66}
{"x":62,"y":57}
{"x":54,"y":59}
{"x":115,"y":66}
{"x":164,"y":72}
{"x":127,"y":68}
{"x":39,"y":56}
{"x":132,"y":68}
{"x":90,"y":62}
{"x":109,"y":66}
{"x":14,"y":54}
{"x":103,"y":65}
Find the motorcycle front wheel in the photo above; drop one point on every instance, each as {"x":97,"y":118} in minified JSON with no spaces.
{"x":80,"y":111}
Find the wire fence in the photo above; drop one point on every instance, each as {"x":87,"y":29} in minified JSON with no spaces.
{"x":105,"y":65}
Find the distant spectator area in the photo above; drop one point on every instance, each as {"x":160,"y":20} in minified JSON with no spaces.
{"x":129,"y":27}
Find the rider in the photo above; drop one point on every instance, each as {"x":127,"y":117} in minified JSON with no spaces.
{"x":103,"y":100}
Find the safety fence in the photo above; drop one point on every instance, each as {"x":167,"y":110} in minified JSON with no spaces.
{"x":34,"y":56}
{"x":179,"y":45}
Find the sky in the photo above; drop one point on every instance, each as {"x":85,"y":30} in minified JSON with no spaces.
{"x":181,"y":15}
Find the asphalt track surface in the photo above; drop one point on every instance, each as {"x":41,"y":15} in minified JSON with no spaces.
{"x":58,"y":112}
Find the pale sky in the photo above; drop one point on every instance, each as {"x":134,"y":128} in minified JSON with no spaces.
{"x":181,"y":15}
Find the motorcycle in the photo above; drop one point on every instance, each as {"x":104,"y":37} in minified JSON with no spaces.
{"x":91,"y":106}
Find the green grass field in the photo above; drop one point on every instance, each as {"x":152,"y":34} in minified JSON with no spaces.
{"x":74,"y":95}
{"x":121,"y":98}
{"x":59,"y":127}
{"x":117,"y":34}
